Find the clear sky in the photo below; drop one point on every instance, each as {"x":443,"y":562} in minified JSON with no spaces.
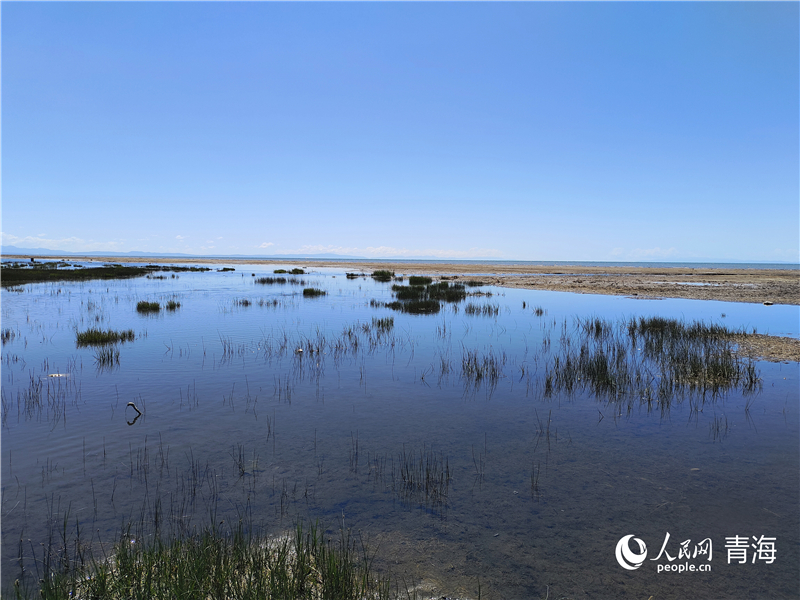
{"x":520,"y":131}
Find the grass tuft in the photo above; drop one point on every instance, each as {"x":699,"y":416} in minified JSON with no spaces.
{"x":313,"y":292}
{"x":144,"y":307}
{"x":382,"y":275}
{"x":98,"y":337}
{"x":419,"y":280}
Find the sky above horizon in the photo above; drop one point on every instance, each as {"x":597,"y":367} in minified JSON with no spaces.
{"x":516,"y":131}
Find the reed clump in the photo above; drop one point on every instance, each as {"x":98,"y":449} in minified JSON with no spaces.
{"x":98,"y":337}
{"x":271,"y":280}
{"x":313,"y":292}
{"x":654,"y":359}
{"x":419,"y":280}
{"x":144,"y":307}
{"x":426,"y":299}
{"x":382,"y":275}
{"x":173,"y":305}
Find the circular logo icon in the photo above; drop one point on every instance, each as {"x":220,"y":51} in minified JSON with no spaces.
{"x":627,"y":559}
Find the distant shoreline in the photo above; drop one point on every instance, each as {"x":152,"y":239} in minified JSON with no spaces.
{"x":728,"y":284}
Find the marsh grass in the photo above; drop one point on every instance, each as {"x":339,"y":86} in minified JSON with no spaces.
{"x":242,"y":302}
{"x":8,"y":335}
{"x":271,"y":280}
{"x":382,"y":275}
{"x":98,"y":337}
{"x":419,"y":280}
{"x":217,"y":563}
{"x":173,"y":305}
{"x":419,"y":299}
{"x":145,"y":307}
{"x":313,"y":292}
{"x":43,"y":272}
{"x":484,"y":310}
{"x":652,"y":359}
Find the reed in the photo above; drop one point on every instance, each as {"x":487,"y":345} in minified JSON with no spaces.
{"x":419,"y":280}
{"x":485,"y":310}
{"x":98,"y":337}
{"x":145,"y":307}
{"x":215,"y":563}
{"x":313,"y":292}
{"x":382,"y":275}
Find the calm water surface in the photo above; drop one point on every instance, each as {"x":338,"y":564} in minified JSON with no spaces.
{"x":238,"y":425}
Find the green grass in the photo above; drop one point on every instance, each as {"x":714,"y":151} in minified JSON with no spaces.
{"x":313,"y":292}
{"x":297,"y":272}
{"x":419,"y":280}
{"x":173,"y":305}
{"x":382,"y":275}
{"x":145,"y":307}
{"x":98,"y":337}
{"x":39,"y":274}
{"x":271,"y":280}
{"x":226,"y":269}
{"x":217,"y":564}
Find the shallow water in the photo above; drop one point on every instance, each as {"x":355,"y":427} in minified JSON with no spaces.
{"x":237,"y":422}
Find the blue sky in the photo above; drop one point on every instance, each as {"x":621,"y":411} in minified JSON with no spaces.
{"x":521,"y":131}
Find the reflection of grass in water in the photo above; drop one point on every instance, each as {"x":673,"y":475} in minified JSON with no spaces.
{"x":485,"y":310}
{"x":214,"y":563}
{"x":107,"y":357}
{"x":96,"y":337}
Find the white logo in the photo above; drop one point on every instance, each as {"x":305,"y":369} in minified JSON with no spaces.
{"x":626,"y":558}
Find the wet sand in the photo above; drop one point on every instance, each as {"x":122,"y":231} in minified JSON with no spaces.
{"x":776,"y":286}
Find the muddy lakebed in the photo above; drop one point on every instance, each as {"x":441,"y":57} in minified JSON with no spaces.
{"x":505,"y":442}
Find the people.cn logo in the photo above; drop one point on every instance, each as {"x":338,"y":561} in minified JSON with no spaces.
{"x":627,"y":559}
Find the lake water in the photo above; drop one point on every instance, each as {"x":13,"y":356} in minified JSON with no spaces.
{"x":239,"y":425}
